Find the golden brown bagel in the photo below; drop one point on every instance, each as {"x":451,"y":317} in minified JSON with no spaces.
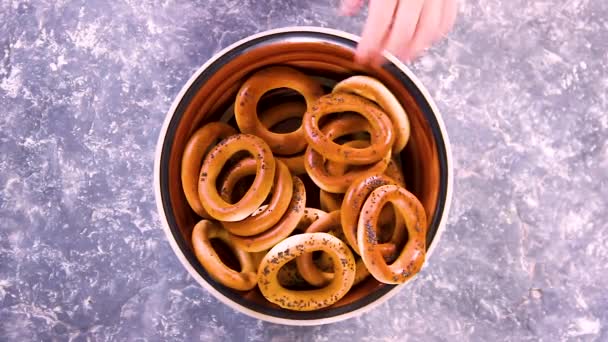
{"x":277,"y":114}
{"x":282,"y":112}
{"x":215,"y":205}
{"x":330,"y":223}
{"x":202,"y":234}
{"x":372,"y":89}
{"x":353,"y":202}
{"x":192,"y":159}
{"x":382,"y":133}
{"x":282,"y":191}
{"x":411,"y":258}
{"x":317,"y":166}
{"x":245,"y":107}
{"x":282,"y":229}
{"x":306,"y":300}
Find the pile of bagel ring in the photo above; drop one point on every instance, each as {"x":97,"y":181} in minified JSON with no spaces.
{"x":245,"y":183}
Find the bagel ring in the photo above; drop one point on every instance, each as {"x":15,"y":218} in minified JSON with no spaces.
{"x":315,"y":167}
{"x":215,"y":205}
{"x":372,"y":89}
{"x":288,"y":275}
{"x":387,"y":217}
{"x":352,"y":205}
{"x":282,"y":229}
{"x":336,"y":169}
{"x":192,"y":159}
{"x":281,"y":112}
{"x":306,"y":266}
{"x":411,"y":258}
{"x":307,"y":300}
{"x":202,"y":234}
{"x":245,"y":108}
{"x":259,"y":221}
{"x":382,"y":133}
{"x":277,"y":114}
{"x":332,"y":201}
{"x":315,"y":163}
{"x":393,"y":170}
{"x":326,"y":265}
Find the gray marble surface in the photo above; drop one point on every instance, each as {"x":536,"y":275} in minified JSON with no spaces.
{"x":85,"y":85}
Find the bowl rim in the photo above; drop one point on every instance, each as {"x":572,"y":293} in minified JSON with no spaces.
{"x":165,"y":223}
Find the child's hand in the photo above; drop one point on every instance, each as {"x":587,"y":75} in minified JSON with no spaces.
{"x":404,"y":27}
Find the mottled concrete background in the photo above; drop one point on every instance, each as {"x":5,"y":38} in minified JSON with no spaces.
{"x":85,"y":85}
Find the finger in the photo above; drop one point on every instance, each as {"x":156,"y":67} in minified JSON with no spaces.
{"x":448,"y":17}
{"x":350,"y":7}
{"x":426,"y":30}
{"x":404,"y":26}
{"x":376,"y":27}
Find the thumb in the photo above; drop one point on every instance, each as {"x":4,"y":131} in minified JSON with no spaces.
{"x":350,"y":7}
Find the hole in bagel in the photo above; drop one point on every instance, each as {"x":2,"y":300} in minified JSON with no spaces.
{"x":290,"y":278}
{"x":225,"y":253}
{"x":242,"y":184}
{"x":316,"y":255}
{"x":237,"y":157}
{"x":361,"y":135}
{"x":241,"y":187}
{"x":312,"y":191}
{"x":339,"y":116}
{"x":287,"y":125}
{"x":402,"y":244}
{"x":279,"y":95}
{"x":387,"y":226}
{"x":323,"y":261}
{"x":291,"y":115}
{"x":386,"y":223}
